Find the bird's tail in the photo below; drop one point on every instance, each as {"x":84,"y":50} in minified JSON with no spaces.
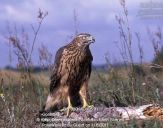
{"x":52,"y":104}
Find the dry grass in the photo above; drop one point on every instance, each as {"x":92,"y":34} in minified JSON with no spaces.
{"x":16,"y":77}
{"x":21,"y":98}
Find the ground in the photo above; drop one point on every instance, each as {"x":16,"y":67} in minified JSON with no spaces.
{"x":23,"y":95}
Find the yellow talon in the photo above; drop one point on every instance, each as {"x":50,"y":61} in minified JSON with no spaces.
{"x":88,"y":106}
{"x":85,"y":104}
{"x":69,"y":107}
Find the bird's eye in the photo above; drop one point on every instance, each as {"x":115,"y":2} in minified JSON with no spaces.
{"x":84,"y":37}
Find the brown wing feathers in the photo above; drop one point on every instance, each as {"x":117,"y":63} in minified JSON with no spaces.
{"x":72,"y":69}
{"x":55,"y":77}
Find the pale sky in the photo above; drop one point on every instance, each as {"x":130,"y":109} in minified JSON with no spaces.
{"x":96,"y":17}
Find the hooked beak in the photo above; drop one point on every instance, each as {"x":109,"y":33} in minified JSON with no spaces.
{"x":92,"y":39}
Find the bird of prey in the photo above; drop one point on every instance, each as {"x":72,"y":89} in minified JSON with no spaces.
{"x":70,"y":75}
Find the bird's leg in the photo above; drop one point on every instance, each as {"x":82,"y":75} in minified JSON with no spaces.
{"x":83,"y":94}
{"x":69,"y":106}
{"x":85,"y":104}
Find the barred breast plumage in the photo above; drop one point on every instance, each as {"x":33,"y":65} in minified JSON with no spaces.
{"x":72,"y":68}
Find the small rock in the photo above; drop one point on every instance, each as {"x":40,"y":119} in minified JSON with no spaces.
{"x":76,"y":116}
{"x":97,"y":115}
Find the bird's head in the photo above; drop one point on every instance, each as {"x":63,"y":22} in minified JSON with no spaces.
{"x":84,"y":39}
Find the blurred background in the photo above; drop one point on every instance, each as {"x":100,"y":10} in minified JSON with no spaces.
{"x":65,"y":18}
